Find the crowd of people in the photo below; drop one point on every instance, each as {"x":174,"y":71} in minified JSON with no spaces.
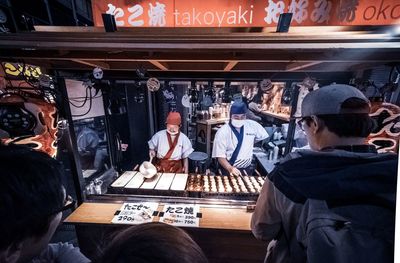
{"x":32,"y":201}
{"x":334,"y":202}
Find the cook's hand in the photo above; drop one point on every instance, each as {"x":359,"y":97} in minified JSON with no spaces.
{"x":235,"y":171}
{"x":152,"y":153}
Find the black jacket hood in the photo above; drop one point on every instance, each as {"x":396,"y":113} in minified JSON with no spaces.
{"x":337,"y":175}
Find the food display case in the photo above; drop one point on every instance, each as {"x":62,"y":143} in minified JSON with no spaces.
{"x":189,"y":185}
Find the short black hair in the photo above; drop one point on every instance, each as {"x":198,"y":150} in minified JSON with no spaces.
{"x":153,"y":242}
{"x":349,"y":124}
{"x":31,"y":193}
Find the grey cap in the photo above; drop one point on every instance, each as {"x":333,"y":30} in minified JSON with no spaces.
{"x":329,"y":99}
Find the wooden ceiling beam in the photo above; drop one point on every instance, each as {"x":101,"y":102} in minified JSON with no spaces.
{"x":66,"y":67}
{"x":177,"y":56}
{"x":204,"y":34}
{"x":203,"y":67}
{"x":95,"y":64}
{"x":232,"y":43}
{"x":394,"y":58}
{"x":299,"y":65}
{"x":161,"y":66}
{"x":230,"y":65}
{"x":194,"y":66}
{"x":260,"y":66}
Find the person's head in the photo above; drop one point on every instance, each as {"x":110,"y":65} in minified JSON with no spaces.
{"x":31,"y":201}
{"x":174,"y":121}
{"x":238,"y":114}
{"x":153,"y":242}
{"x":336,"y":115}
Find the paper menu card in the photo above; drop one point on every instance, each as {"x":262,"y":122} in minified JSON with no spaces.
{"x":135,"y":213}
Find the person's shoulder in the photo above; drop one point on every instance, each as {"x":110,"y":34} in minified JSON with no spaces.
{"x":183,"y":136}
{"x":222,"y":132}
{"x":253,"y":124}
{"x":68,"y":253}
{"x":296,"y":155}
{"x":159,"y":133}
{"x":224,"y":128}
{"x":306,"y":154}
{"x":61,"y":252}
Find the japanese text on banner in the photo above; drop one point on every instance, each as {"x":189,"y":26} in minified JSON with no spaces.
{"x":246,"y":13}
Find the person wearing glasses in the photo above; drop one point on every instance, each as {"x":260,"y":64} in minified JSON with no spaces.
{"x":234,"y":141}
{"x":32,"y":199}
{"x":340,"y":167}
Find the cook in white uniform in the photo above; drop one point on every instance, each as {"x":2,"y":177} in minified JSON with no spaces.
{"x":234,"y":142}
{"x":171,"y":147}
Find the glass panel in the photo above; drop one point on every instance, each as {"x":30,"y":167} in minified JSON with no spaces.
{"x":89,"y":121}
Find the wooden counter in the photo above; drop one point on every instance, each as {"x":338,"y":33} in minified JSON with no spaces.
{"x":224,"y":233}
{"x":93,"y":213}
{"x":232,"y":218}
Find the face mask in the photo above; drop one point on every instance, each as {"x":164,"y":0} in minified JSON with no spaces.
{"x":172,"y":133}
{"x":237,"y":123}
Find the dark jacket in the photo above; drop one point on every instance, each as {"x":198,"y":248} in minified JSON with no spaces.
{"x":336,"y":178}
{"x":335,"y":175}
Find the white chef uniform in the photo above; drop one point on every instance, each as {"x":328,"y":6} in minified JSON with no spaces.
{"x":159,"y":143}
{"x":225,"y":142}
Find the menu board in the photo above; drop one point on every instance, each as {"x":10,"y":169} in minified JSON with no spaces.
{"x":135,"y":213}
{"x":184,"y":215}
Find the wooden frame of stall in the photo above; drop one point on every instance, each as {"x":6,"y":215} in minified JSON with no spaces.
{"x":224,"y":232}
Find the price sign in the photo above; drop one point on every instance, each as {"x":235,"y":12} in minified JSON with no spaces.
{"x":135,"y":213}
{"x":185,"y":215}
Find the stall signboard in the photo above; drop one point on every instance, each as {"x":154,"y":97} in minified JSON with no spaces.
{"x":135,"y":213}
{"x":386,"y":135}
{"x":183,"y":215}
{"x":246,"y":13}
{"x":19,"y":71}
